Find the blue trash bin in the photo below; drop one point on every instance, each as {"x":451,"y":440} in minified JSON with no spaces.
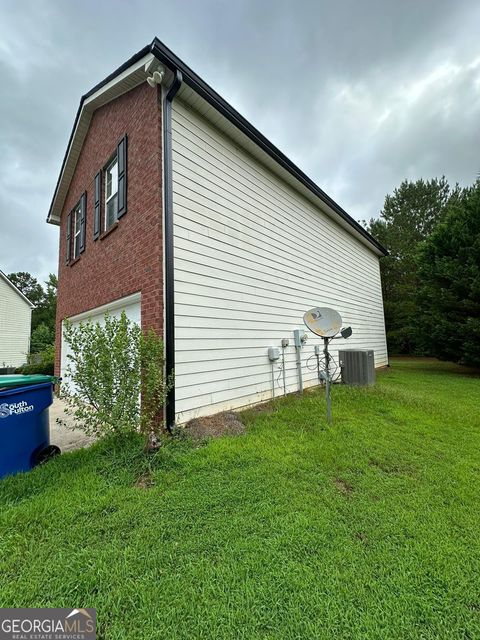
{"x":24,"y":422}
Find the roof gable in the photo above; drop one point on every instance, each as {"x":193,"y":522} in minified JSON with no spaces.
{"x":135,"y":71}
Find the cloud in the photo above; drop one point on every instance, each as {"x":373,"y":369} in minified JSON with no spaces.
{"x":359,"y":94}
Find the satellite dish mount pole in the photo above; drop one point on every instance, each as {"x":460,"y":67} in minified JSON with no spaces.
{"x":326,"y":323}
{"x":327,"y":379}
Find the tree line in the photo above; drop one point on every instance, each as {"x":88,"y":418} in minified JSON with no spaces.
{"x":42,"y":339}
{"x":431,"y":277}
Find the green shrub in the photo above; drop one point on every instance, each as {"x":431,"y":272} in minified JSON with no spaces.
{"x":43,"y":362}
{"x":30,"y":369}
{"x":154,"y":385}
{"x":110,"y":366}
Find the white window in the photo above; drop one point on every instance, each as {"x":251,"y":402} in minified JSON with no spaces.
{"x":111,"y":193}
{"x":77,"y":229}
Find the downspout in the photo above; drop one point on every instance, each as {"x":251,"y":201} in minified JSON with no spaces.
{"x":169,"y":275}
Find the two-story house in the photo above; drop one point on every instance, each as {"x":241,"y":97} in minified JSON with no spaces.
{"x":174,"y":208}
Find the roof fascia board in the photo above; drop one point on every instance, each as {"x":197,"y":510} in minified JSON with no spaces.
{"x":88,"y":103}
{"x":92,"y":97}
{"x":190,"y":99}
{"x":173,"y":62}
{"x":17,"y":290}
{"x":166,"y":56}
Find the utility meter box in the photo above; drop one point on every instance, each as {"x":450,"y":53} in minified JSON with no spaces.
{"x":299,"y":338}
{"x":273,"y":353}
{"x":357,"y":366}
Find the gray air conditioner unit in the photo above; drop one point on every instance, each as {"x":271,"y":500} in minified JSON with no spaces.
{"x":357,"y":366}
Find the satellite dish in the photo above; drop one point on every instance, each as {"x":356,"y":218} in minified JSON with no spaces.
{"x":323,"y":321}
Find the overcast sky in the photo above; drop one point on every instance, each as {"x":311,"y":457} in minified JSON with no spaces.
{"x":359,"y":94}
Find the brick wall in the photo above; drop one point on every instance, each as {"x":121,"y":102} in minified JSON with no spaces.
{"x":129,"y":258}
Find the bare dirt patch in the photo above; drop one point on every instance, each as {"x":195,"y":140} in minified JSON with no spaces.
{"x":145,"y":481}
{"x":389,"y":467}
{"x":63,"y":436}
{"x":362,"y":537}
{"x":226,"y":423}
{"x":343,"y":486}
{"x":268,"y":406}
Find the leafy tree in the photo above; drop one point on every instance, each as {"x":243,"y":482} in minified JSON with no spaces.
{"x":28,"y":285}
{"x":408,"y":217}
{"x":42,"y":338}
{"x":46,"y":310}
{"x":449,"y":273}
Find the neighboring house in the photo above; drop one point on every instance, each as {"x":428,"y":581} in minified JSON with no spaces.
{"x":173,"y":207}
{"x":15,"y":324}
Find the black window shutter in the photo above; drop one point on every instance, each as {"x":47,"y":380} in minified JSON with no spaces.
{"x":96,"y":206}
{"x":122,"y":177}
{"x":83,"y":220}
{"x":68,"y":251}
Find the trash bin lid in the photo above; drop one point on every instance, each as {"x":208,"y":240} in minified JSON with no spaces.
{"x":19,"y":380}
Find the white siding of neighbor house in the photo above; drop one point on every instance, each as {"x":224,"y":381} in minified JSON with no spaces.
{"x":15,"y":324}
{"x":251,"y":256}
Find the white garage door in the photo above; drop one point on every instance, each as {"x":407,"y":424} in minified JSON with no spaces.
{"x":131,"y":305}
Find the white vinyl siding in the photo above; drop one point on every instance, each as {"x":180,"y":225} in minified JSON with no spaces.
{"x":251,"y":256}
{"x":15,"y":323}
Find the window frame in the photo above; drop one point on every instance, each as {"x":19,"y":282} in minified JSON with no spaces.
{"x":111,"y":162}
{"x":76,"y":230}
{"x":77,"y":216}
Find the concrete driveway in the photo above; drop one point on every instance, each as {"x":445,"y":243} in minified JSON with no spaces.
{"x":65,"y":438}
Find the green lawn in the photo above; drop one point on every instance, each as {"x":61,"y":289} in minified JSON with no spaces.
{"x":369,"y":528}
